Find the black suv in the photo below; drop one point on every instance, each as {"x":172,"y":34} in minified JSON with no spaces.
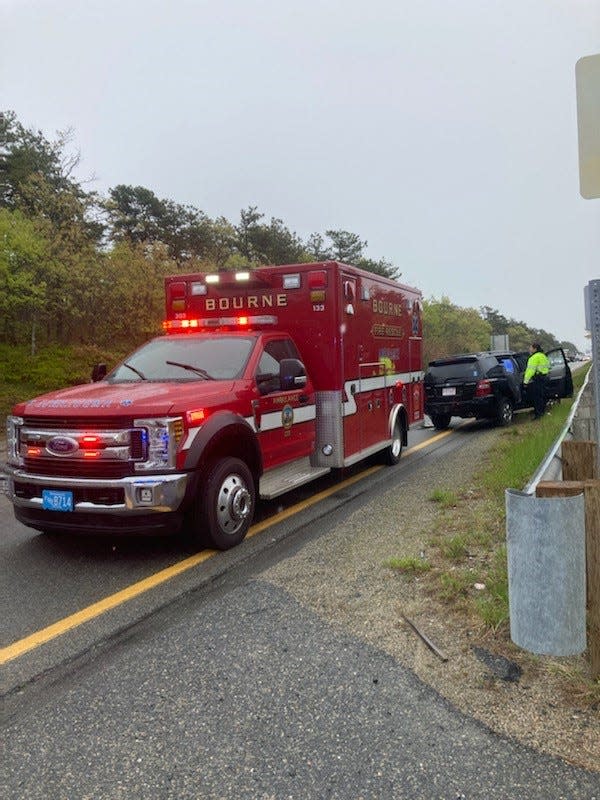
{"x":487,"y":385}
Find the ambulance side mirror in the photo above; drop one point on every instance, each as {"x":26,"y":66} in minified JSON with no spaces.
{"x":98,"y":372}
{"x":292,"y":374}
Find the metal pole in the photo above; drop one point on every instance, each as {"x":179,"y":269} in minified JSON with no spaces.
{"x":592,"y":308}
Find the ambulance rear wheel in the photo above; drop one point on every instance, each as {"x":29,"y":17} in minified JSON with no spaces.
{"x":392,"y":453}
{"x":226,"y":504}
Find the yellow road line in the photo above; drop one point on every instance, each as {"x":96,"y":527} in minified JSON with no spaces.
{"x":96,"y":609}
{"x":22,"y":646}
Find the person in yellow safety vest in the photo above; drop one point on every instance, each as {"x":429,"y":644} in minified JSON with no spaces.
{"x":536,"y":378}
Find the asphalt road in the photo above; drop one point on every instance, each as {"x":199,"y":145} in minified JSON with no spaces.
{"x":216,"y":684}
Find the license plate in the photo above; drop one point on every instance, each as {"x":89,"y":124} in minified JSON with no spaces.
{"x":55,"y":500}
{"x":448,"y":391}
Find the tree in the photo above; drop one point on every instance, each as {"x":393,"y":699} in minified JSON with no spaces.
{"x":259,"y":243}
{"x":348,"y":248}
{"x":382,"y":267}
{"x":316,"y":249}
{"x":449,"y":329}
{"x":498,"y":323}
{"x":345,"y":246}
{"x":135,"y":214}
{"x":22,"y":288}
{"x":23,"y":153}
{"x":35,"y":177}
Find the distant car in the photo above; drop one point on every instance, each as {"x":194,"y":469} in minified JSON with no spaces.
{"x":487,"y":385}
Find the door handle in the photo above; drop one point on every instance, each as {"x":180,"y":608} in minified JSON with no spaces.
{"x":303,"y":398}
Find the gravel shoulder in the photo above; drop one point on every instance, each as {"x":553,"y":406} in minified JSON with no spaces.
{"x":344,"y":578}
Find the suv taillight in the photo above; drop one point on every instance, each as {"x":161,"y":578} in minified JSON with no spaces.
{"x":483,"y":389}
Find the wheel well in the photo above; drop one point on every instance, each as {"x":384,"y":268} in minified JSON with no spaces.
{"x":232,"y":441}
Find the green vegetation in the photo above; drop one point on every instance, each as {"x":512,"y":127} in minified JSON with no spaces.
{"x":456,"y":548}
{"x":445,"y":498}
{"x":410,"y":565}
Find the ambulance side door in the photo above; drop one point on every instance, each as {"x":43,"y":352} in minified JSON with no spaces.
{"x":284,"y":415}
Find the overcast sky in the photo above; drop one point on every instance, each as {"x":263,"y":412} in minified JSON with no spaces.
{"x":444,"y":133}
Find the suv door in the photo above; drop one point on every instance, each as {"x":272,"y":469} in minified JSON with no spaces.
{"x":560,"y":380}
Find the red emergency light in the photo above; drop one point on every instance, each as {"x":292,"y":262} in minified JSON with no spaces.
{"x":89,"y":441}
{"x":317,"y":279}
{"x":179,"y":325}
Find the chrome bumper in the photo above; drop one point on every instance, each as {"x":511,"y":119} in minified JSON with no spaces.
{"x":142,"y":494}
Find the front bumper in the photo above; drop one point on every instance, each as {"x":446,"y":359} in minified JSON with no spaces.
{"x":141,"y":495}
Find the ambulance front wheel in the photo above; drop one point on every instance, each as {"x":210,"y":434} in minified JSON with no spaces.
{"x":393,"y":452}
{"x":225,"y":506}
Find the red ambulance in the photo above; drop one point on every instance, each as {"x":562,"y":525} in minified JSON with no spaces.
{"x":262,"y":381}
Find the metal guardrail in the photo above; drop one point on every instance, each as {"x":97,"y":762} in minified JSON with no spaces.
{"x":552,"y":457}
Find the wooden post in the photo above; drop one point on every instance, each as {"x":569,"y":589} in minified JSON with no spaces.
{"x":591,"y":491}
{"x":578,"y":461}
{"x":559,"y":488}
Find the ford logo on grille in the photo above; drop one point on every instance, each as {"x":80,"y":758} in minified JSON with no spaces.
{"x":62,"y":445}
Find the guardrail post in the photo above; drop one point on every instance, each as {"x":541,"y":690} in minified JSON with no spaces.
{"x":578,"y":460}
{"x":591,"y":492}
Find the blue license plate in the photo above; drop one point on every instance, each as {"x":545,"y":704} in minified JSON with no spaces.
{"x":55,"y":500}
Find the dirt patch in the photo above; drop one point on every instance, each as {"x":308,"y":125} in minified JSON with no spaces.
{"x":345,"y":578}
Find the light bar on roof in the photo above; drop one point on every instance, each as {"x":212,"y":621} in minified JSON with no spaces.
{"x":219,"y":322}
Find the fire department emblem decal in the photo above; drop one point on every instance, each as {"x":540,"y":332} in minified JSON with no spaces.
{"x":287,"y":417}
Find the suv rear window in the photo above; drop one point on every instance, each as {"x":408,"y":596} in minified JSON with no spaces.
{"x":466,"y":368}
{"x":462,"y":368}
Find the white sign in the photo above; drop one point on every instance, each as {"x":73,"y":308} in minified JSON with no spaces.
{"x":587,"y":76}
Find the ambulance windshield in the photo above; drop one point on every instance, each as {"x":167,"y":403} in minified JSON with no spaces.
{"x":186,"y":358}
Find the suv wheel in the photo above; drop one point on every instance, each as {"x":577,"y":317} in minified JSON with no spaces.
{"x":504,"y":412}
{"x":440,"y":421}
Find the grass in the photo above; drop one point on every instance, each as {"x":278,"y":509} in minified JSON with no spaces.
{"x":444,"y":497}
{"x":410,"y":565}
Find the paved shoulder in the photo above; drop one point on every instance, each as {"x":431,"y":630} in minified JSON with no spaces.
{"x":251,"y":695}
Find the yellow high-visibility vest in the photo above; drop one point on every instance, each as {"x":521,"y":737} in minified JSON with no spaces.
{"x":538,"y":364}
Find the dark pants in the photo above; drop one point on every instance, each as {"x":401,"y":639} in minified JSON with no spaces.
{"x":537,"y":394}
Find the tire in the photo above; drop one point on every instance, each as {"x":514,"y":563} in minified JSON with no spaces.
{"x":440,"y":421}
{"x":391,"y":454}
{"x":225,"y":506}
{"x":504,"y":412}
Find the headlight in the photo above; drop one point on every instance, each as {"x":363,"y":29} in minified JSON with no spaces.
{"x":13,"y":426}
{"x":163,"y":435}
